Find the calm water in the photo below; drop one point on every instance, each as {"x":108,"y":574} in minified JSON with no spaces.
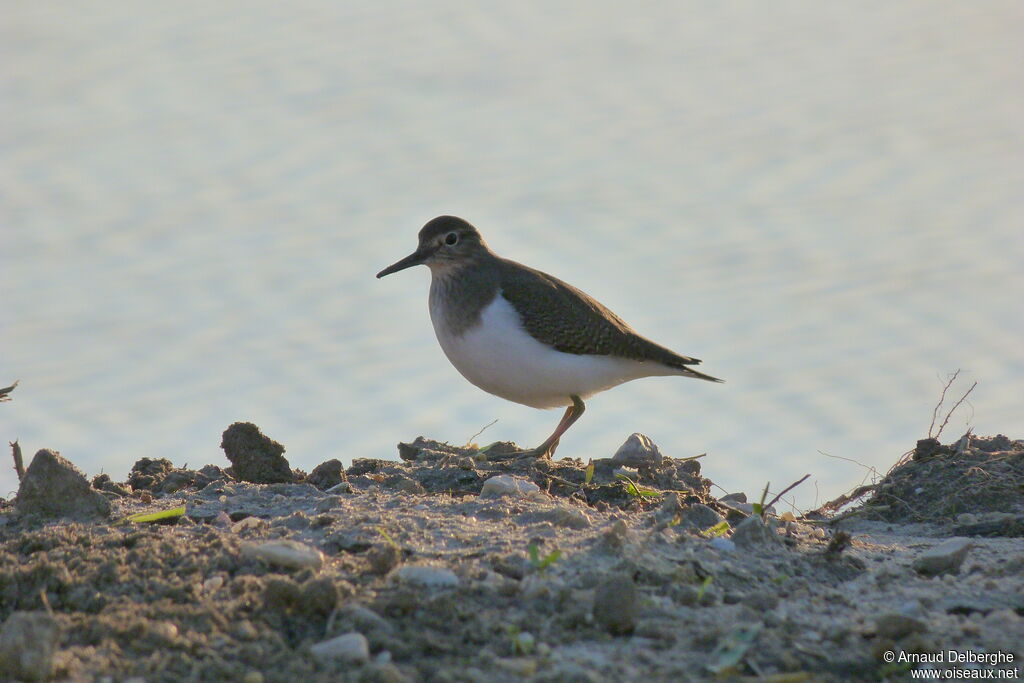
{"x":825,"y":203}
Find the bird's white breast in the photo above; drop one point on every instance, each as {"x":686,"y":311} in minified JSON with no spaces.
{"x":499,"y":356}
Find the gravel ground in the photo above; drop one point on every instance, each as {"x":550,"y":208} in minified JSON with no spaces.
{"x":467,"y":564}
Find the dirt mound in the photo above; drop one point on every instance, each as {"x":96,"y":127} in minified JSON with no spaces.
{"x":467,"y":564}
{"x":975,"y":484}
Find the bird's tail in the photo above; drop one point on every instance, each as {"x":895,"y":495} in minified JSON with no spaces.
{"x":687,"y":371}
{"x":700,"y":375}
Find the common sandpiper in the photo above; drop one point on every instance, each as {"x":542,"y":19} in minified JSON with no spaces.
{"x":524,"y":335}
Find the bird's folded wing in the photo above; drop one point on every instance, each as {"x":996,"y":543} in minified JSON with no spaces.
{"x":559,"y":315}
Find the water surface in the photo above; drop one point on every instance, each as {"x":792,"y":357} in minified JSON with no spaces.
{"x":822,"y":202}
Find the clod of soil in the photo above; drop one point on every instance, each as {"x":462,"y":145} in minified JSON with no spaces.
{"x":327,"y":474}
{"x":255,"y":457}
{"x":54,"y":487}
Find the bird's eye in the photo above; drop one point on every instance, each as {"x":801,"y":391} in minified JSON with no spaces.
{"x":451,"y":238}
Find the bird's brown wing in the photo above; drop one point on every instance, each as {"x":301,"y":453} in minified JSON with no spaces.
{"x":559,"y":315}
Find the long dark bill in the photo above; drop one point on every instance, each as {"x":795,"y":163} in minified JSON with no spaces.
{"x":413,"y":259}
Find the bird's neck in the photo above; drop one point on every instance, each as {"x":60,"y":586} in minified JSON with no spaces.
{"x":459,"y":295}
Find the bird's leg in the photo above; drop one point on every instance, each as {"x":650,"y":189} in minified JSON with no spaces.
{"x":572,"y":413}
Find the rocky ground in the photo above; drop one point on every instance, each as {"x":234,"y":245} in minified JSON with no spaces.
{"x":467,"y":564}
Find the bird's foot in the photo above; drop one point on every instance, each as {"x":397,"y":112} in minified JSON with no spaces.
{"x":543,"y":451}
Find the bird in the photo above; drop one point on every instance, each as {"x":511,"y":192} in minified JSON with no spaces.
{"x":526,"y":336}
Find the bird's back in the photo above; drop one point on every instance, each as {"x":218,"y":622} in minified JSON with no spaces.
{"x":568,"y":319}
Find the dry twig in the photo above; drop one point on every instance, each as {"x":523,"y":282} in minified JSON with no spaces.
{"x":786,"y":490}
{"x":559,"y":480}
{"x":908,"y":455}
{"x":19,"y":466}
{"x":482,"y":430}
{"x":942,"y":399}
{"x":846,"y":498}
{"x":871,"y":471}
{"x":951,"y":410}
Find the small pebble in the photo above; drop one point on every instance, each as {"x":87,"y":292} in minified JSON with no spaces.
{"x":637,"y":450}
{"x":319,"y":596}
{"x":699,"y":517}
{"x":383,"y":557}
{"x":28,"y":641}
{"x":352,"y":648}
{"x":721,"y":544}
{"x":164,"y":631}
{"x":615,"y":537}
{"x":328,"y":503}
{"x":670,"y":507}
{"x":281,"y":593}
{"x":570,"y":518}
{"x":752,"y":532}
{"x":244,"y":630}
{"x":943,"y":558}
{"x":213,"y":584}
{"x":248,"y":523}
{"x":285,"y":553}
{"x":615,"y":605}
{"x":404,"y":484}
{"x":425,"y":575}
{"x":745,"y":508}
{"x":365,"y":619}
{"x":507,"y":485}
{"x":895,"y":626}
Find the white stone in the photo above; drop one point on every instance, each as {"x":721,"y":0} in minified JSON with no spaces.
{"x":350,"y":647}
{"x":285,"y":553}
{"x":365,"y":619}
{"x":571,"y":518}
{"x":425,"y":575}
{"x":248,"y":523}
{"x":213,"y":584}
{"x":164,"y":630}
{"x":942,"y":558}
{"x":507,"y":485}
{"x":637,"y":450}
{"x":722,"y":544}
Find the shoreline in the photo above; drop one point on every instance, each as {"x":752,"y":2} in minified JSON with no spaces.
{"x":456,"y":564}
